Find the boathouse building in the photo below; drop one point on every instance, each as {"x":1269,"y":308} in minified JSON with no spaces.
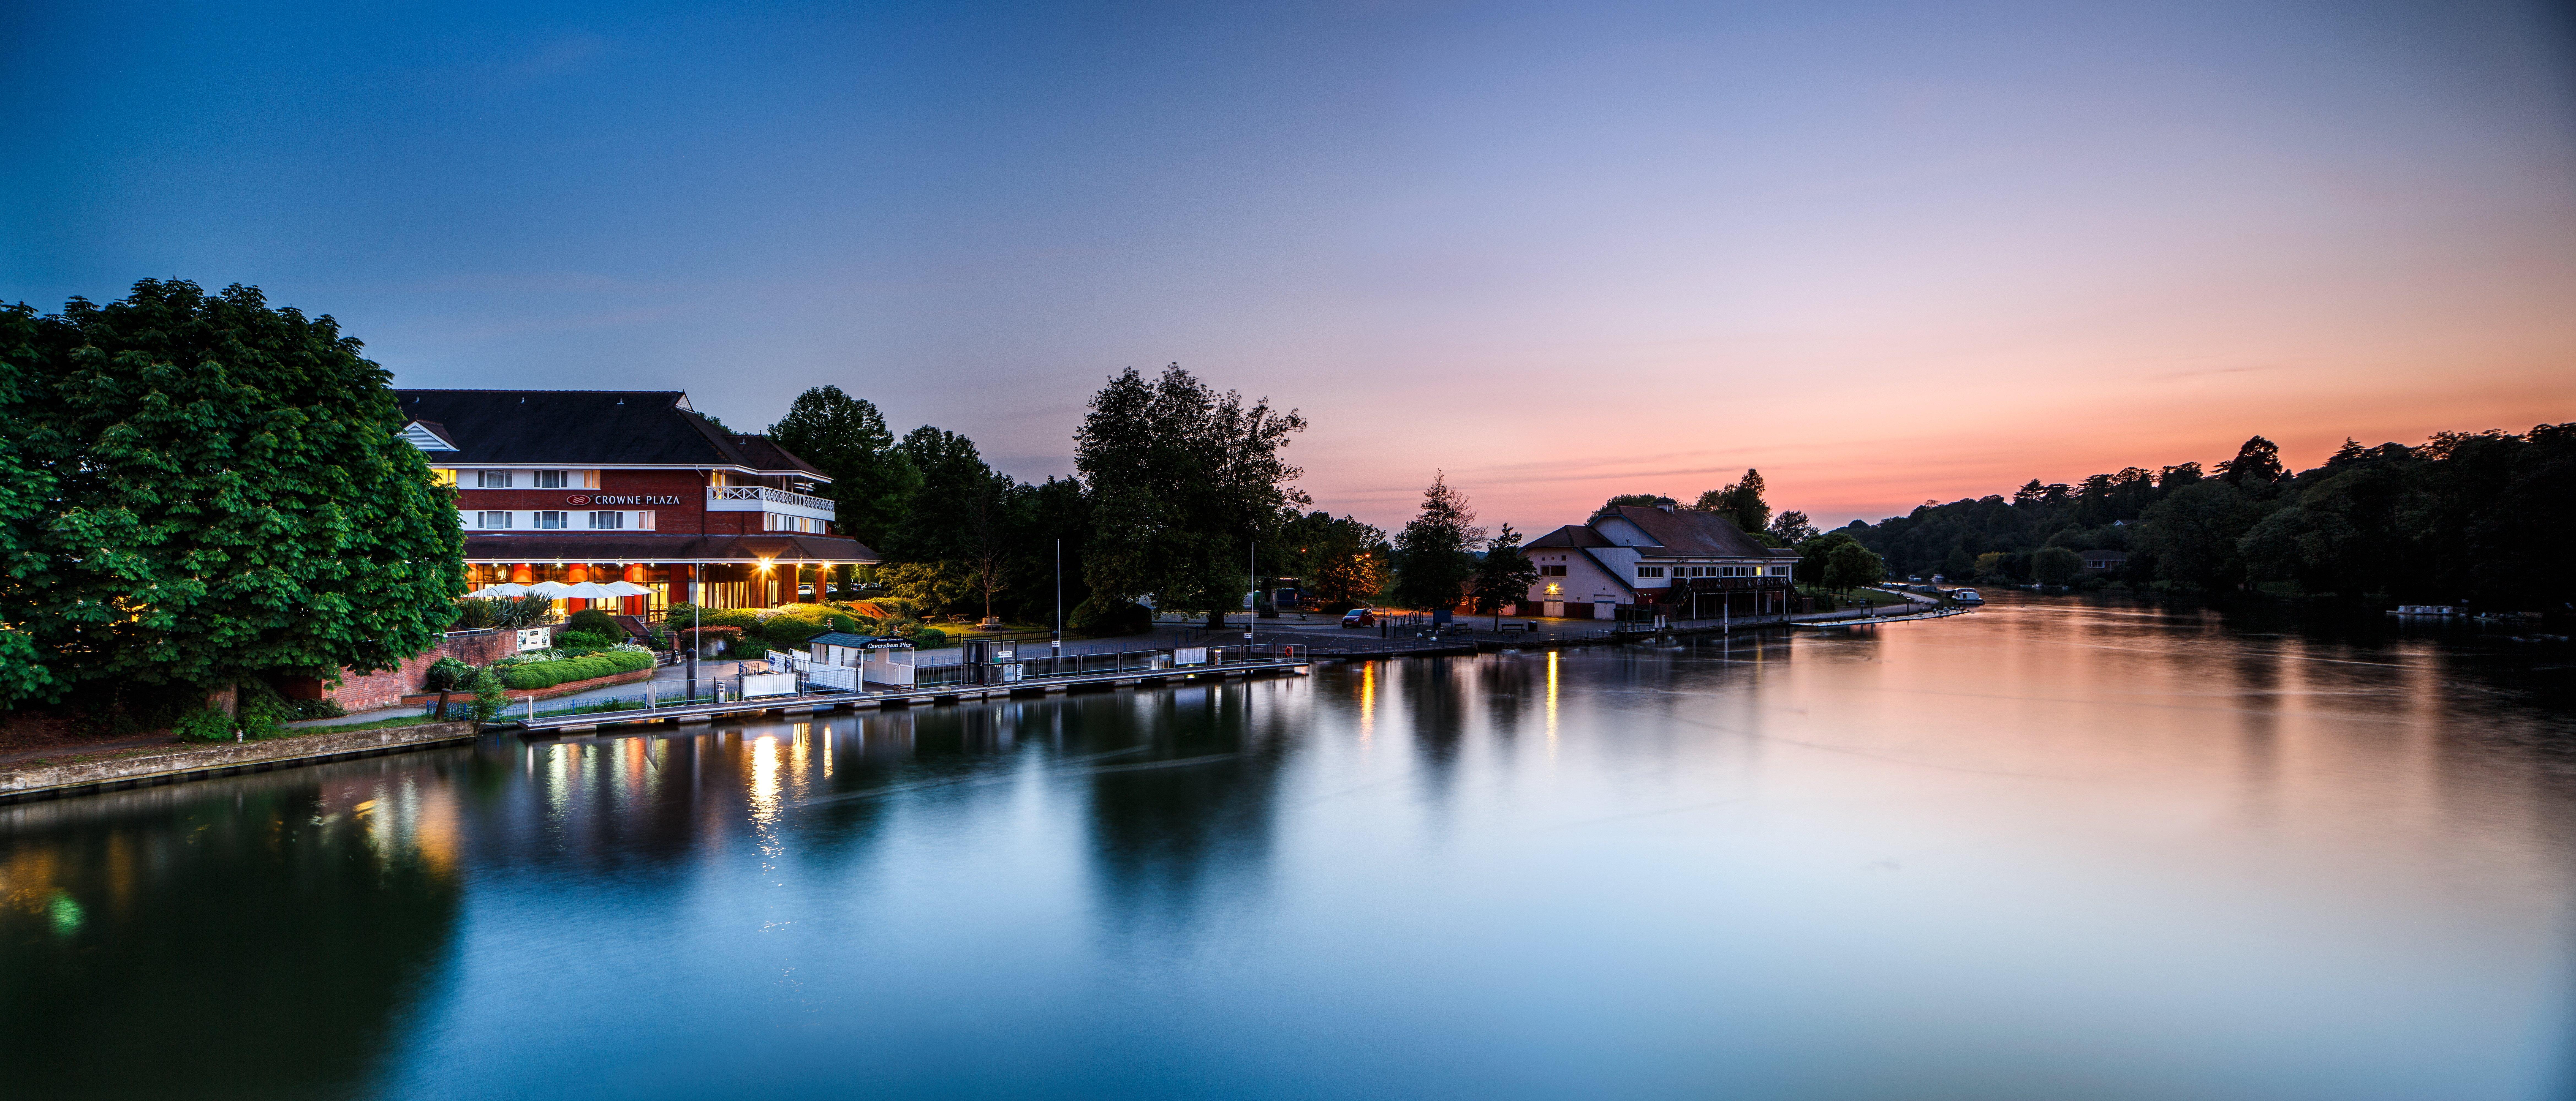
{"x":1681,"y":563}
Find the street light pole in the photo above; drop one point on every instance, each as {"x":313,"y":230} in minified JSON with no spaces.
{"x":1057,"y":649}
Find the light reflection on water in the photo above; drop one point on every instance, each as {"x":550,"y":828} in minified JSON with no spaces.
{"x":2048,"y":851}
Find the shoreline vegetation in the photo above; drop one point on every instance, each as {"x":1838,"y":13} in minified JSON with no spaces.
{"x":2473,"y":519}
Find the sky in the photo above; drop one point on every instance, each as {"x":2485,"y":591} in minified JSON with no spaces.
{"x":1885,"y":253}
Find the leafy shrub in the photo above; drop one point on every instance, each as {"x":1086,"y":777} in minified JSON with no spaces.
{"x":502,"y":612}
{"x":547,"y":674}
{"x":929,"y":638}
{"x":683,"y":616}
{"x":790,"y":632}
{"x":446,"y":675}
{"x":262,"y":712}
{"x":204,"y":724}
{"x":489,"y":698}
{"x":318,"y":709}
{"x":585,"y":641}
{"x":594,"y":621}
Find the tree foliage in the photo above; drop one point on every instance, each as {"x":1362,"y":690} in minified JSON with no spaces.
{"x":1432,"y":559}
{"x":1183,"y":481}
{"x":847,"y":439}
{"x":1740,"y":501}
{"x":206,"y":490}
{"x":2477,"y":517}
{"x":1504,"y":575}
{"x":1342,"y":561}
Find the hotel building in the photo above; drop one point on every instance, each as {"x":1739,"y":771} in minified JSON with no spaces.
{"x":631,"y":485}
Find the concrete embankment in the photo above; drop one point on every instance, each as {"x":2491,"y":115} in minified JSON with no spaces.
{"x":178,"y":763}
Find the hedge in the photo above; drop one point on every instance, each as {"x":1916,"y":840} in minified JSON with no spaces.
{"x":547,"y":674}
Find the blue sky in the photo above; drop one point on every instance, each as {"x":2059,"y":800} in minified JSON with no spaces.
{"x":1556,"y":251}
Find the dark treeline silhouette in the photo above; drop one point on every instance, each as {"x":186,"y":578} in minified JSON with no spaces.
{"x":2478,"y":518}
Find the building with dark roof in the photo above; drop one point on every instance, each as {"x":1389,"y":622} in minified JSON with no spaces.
{"x":2104,"y":561}
{"x":632,"y":485}
{"x":1682,"y":563}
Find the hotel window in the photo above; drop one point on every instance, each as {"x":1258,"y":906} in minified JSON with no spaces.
{"x":551,"y":520}
{"x":491,"y":479}
{"x":606,"y":521}
{"x":1650,"y":571}
{"x":442,"y":476}
{"x":492,"y":521}
{"x":551,"y":479}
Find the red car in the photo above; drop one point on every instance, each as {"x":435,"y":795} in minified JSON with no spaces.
{"x":1359,"y":617}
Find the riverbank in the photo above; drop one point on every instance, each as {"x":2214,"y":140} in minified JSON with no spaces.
{"x":175,"y":762}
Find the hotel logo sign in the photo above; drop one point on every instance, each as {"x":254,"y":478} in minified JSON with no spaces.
{"x":604,"y":499}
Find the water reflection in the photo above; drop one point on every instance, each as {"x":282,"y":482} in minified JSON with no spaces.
{"x":2053,"y":850}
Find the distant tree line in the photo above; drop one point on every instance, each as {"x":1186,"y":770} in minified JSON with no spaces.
{"x":2477,"y":517}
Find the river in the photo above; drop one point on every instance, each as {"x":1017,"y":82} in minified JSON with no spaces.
{"x":2058,"y":849}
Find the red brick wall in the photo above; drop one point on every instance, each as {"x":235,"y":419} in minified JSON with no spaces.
{"x":370,"y":691}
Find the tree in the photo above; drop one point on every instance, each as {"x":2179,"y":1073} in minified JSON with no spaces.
{"x":214,"y":491}
{"x":956,"y":537}
{"x":2193,"y":534}
{"x":2055,"y":565}
{"x":1342,"y":561}
{"x":1850,"y":565}
{"x":1432,"y":563}
{"x":1640,"y":500}
{"x":1740,"y":501}
{"x":1504,"y":575}
{"x":847,"y":439}
{"x":1791,"y":528}
{"x":2255,"y":468}
{"x":1183,"y":480}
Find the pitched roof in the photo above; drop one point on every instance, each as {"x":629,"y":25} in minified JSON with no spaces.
{"x":840,"y":638}
{"x":576,"y":427}
{"x":1571,"y":535}
{"x":1687,"y":533}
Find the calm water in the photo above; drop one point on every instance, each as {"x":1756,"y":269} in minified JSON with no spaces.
{"x":2050,"y":851}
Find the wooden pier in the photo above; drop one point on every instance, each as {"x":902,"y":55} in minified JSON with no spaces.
{"x":814,"y":703}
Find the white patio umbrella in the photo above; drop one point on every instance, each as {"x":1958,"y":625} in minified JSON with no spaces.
{"x":488,"y":592}
{"x":552,"y":590}
{"x":588,"y":590}
{"x":626,"y":588}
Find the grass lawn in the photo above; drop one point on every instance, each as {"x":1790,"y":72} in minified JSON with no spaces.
{"x":380,"y":724}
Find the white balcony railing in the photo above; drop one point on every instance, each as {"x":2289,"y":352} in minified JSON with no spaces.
{"x":765,"y":499}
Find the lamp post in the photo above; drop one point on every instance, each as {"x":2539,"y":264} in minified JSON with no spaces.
{"x":1056,"y":648}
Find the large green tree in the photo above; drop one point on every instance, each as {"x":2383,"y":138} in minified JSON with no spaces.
{"x":847,"y":439}
{"x":207,"y":490}
{"x":1341,"y":560}
{"x":1741,"y":501}
{"x":1504,"y":575}
{"x":1183,"y":481}
{"x":1433,"y":562}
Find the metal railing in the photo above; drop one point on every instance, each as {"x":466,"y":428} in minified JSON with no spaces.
{"x":766,"y":495}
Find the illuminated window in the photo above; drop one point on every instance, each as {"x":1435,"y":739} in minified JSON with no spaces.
{"x":442,"y":477}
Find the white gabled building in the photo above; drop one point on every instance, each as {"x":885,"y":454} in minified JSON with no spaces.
{"x":1684,"y":564}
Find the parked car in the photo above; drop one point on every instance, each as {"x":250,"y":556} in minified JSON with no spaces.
{"x":1359,"y":617}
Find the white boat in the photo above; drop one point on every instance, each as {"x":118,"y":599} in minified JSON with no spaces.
{"x":2426,"y":609}
{"x":1966,"y":596}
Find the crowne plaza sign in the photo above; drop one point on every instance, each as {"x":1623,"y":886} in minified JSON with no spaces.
{"x":606,"y":499}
